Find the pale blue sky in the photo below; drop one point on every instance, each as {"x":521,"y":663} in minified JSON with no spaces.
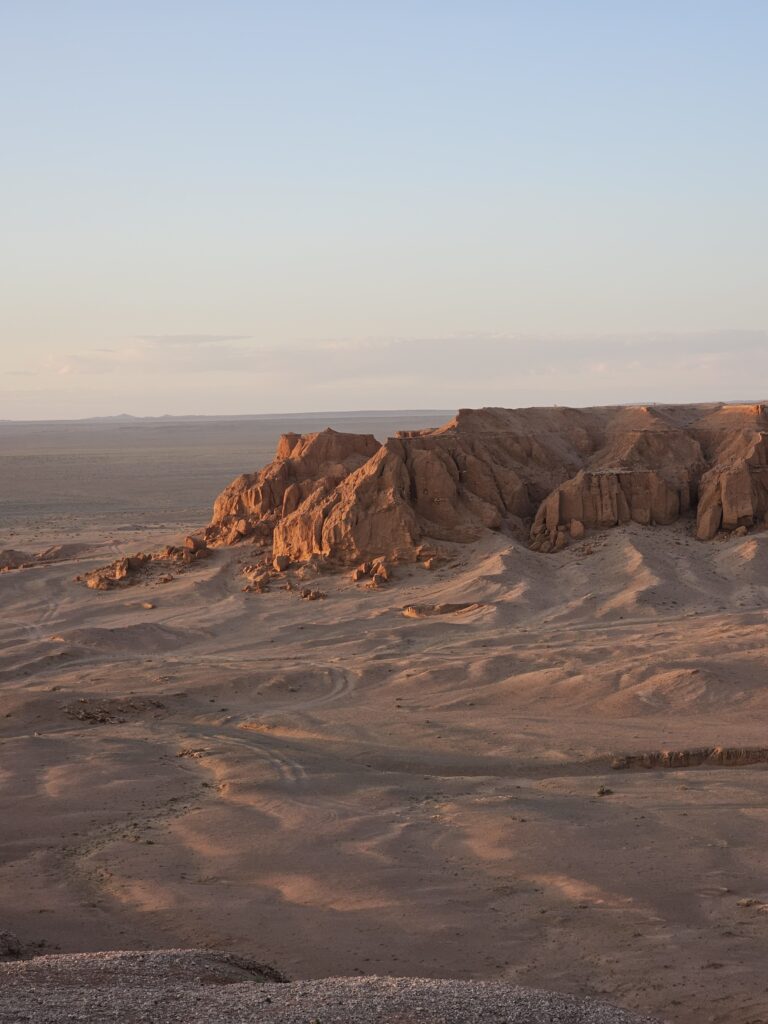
{"x":254,"y":207}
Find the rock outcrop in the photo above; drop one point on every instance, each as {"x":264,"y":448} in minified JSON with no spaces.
{"x":734,"y":492}
{"x":305,"y":468}
{"x":132,"y":568}
{"x":550,"y":474}
{"x":721,"y":757}
{"x":11,"y":559}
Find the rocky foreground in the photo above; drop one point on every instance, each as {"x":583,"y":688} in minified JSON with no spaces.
{"x":199,"y":987}
{"x":546,"y":474}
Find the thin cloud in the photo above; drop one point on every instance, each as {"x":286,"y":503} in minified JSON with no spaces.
{"x":437,"y":372}
{"x":193,"y":339}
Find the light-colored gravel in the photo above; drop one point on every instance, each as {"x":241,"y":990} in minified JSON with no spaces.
{"x":198,"y":987}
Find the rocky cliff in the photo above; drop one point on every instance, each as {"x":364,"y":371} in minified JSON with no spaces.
{"x":547,"y":473}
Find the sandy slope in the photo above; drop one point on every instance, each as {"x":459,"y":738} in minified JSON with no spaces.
{"x":363,"y":792}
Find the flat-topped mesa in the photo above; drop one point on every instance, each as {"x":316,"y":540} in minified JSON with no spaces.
{"x":347,"y":498}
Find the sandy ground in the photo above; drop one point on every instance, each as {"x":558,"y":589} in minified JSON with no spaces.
{"x":339,"y":789}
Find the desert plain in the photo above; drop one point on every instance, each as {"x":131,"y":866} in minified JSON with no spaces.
{"x":344,"y":787}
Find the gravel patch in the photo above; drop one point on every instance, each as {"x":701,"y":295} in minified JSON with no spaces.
{"x":199,"y":987}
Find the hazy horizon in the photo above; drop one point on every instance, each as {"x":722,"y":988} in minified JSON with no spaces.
{"x":284,"y":414}
{"x":352,"y":412}
{"x":434,"y":374}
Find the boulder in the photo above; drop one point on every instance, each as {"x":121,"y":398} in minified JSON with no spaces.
{"x":577,"y":529}
{"x":96,"y":582}
{"x":381,"y":569}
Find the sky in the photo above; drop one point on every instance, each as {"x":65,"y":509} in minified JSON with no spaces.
{"x":237,"y":206}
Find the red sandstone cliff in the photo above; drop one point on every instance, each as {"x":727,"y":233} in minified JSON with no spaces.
{"x":553,"y":472}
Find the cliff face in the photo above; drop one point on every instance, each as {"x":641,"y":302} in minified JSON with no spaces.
{"x":303,"y":468}
{"x":735,"y":491}
{"x":646,"y":471}
{"x":552,"y":472}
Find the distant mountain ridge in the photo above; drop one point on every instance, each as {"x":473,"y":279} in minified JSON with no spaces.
{"x":125,"y":417}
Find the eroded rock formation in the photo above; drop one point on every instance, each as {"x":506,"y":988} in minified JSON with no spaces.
{"x":551,"y":473}
{"x":132,"y":568}
{"x":304,"y":467}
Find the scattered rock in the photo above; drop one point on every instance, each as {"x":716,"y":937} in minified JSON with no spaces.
{"x":133,"y":569}
{"x":256,"y":586}
{"x":111,"y":711}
